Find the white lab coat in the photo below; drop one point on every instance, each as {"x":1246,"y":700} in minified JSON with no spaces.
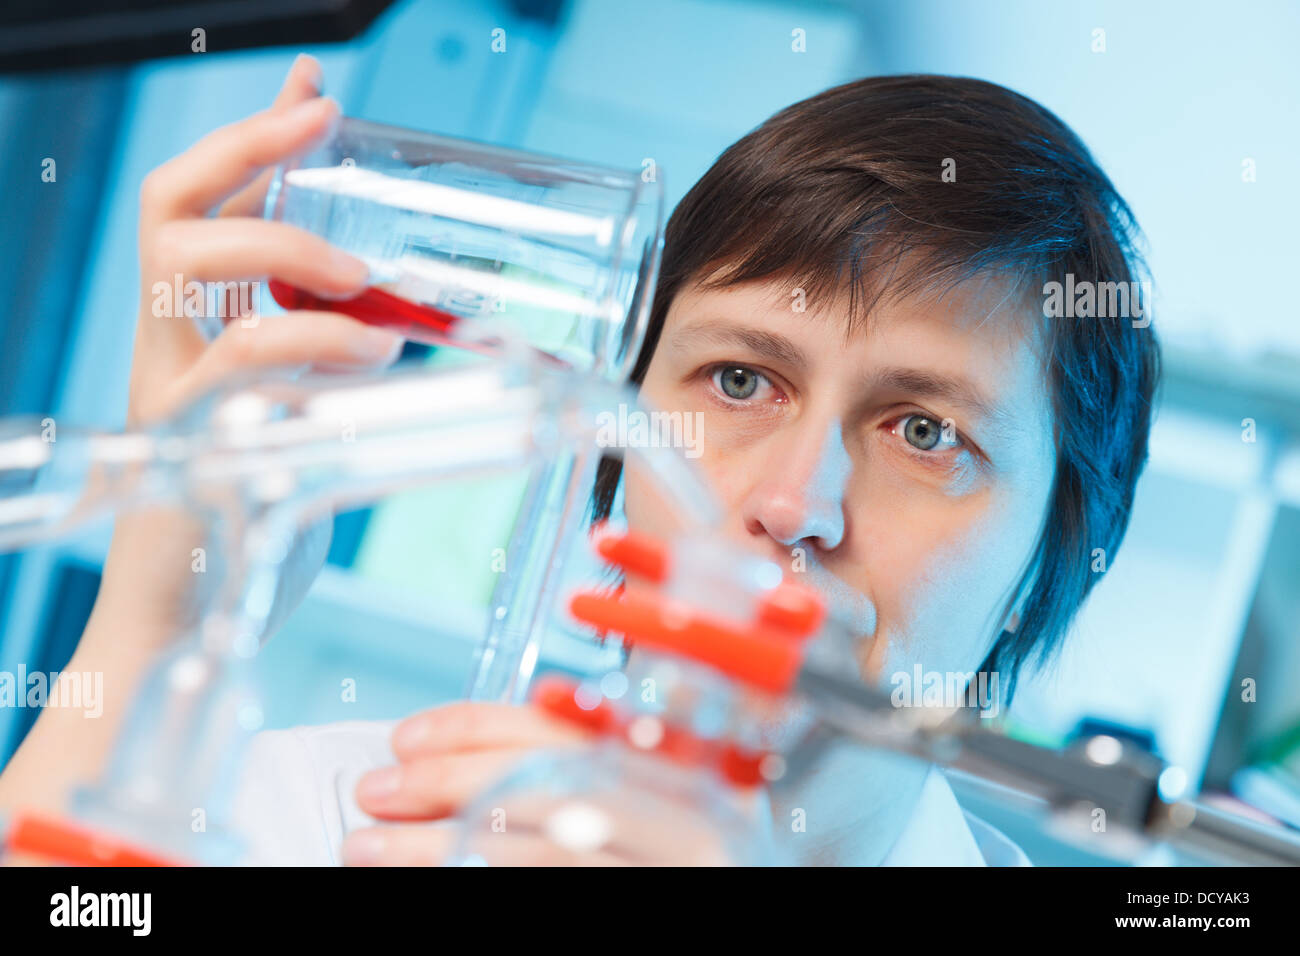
{"x":294,"y":803}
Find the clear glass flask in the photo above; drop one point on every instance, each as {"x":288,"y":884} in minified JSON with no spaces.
{"x":566,"y":252}
{"x":681,"y":746}
{"x":674,"y":775}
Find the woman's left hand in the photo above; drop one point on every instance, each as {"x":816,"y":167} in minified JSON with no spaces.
{"x":449,"y":755}
{"x":445,"y":757}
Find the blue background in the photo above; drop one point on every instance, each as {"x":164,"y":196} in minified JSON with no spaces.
{"x":1183,"y":98}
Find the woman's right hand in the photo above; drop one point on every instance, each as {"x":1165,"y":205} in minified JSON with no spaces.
{"x":148,"y":589}
{"x":147,"y":597}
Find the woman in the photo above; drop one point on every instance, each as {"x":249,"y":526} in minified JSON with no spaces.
{"x":853,"y":298}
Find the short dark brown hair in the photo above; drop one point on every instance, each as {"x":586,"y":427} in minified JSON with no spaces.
{"x":845,"y":191}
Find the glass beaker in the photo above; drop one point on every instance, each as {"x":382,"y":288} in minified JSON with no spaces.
{"x":451,"y":229}
{"x":672,"y":777}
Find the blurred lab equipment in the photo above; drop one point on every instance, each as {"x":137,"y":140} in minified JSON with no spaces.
{"x":782,"y":644}
{"x":681,"y":752}
{"x":258,"y":461}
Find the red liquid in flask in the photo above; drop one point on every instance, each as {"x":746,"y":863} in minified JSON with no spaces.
{"x":412,"y":321}
{"x":374,"y":306}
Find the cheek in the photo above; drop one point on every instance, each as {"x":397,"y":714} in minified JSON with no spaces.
{"x":724,"y":460}
{"x":644,"y":507}
{"x":950,"y":582}
{"x":650,"y":508}
{"x":726,"y":474}
{"x":656,"y":391}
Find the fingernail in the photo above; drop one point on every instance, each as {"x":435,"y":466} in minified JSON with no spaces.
{"x":313,"y":107}
{"x":410,"y":735}
{"x":377,"y":345}
{"x":380,"y":784}
{"x":364,"y":847}
{"x":349,"y":270}
{"x":313,"y":71}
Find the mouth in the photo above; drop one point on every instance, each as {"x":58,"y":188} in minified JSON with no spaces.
{"x":849,"y":636}
{"x":845,"y":604}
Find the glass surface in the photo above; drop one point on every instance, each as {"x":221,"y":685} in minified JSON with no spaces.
{"x":565,"y":252}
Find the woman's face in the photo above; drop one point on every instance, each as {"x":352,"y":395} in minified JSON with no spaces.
{"x":904,"y":468}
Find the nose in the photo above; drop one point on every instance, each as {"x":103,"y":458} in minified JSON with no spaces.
{"x":800,"y":497}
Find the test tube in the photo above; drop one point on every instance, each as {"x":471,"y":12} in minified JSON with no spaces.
{"x":566,"y":252}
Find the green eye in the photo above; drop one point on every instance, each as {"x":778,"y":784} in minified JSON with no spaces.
{"x":921,"y":432}
{"x":738,"y":382}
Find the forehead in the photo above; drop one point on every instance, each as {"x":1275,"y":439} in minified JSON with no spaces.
{"x":982,"y":327}
{"x":984,"y":309}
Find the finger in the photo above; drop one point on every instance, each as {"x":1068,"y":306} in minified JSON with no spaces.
{"x":474,"y":725}
{"x":231,"y":250}
{"x":227,"y":160}
{"x":262,"y":341}
{"x":305,"y":80}
{"x":432,"y":844}
{"x":224,"y":250}
{"x":429,"y":788}
{"x":535,"y":849}
{"x":636,"y":823}
{"x":424,"y":844}
{"x":297,"y":338}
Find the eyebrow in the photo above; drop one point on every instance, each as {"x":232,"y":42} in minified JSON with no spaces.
{"x":957,"y":390}
{"x":769,"y":345}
